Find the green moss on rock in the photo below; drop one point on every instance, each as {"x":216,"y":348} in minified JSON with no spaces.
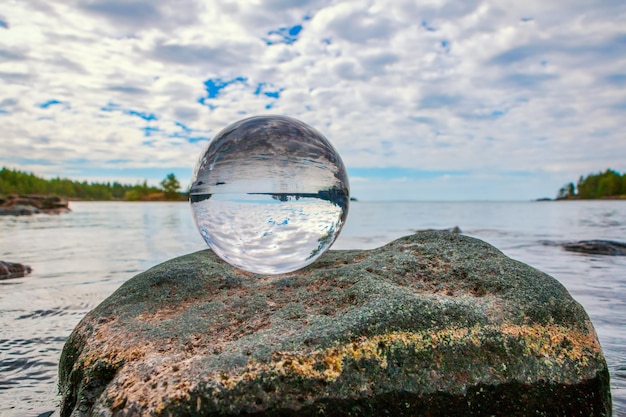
{"x":435,"y":323}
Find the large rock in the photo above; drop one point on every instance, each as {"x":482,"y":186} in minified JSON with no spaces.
{"x":432,"y":324}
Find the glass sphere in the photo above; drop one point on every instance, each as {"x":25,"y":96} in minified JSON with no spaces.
{"x":270,"y":194}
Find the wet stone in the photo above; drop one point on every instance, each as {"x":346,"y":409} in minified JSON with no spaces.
{"x":597,"y":247}
{"x":435,"y":323}
{"x":13,"y":270}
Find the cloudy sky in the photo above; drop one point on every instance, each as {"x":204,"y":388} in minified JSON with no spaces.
{"x":428,"y":100}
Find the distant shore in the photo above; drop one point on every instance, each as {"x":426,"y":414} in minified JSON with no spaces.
{"x":29,"y":204}
{"x":576,"y":198}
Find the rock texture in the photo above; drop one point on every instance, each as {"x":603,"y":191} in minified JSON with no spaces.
{"x":24,"y":205}
{"x":435,"y":323}
{"x":597,"y":247}
{"x":13,"y":270}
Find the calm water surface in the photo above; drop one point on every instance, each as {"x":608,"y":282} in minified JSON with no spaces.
{"x":79,"y":258}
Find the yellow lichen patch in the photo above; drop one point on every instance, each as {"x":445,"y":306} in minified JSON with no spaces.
{"x":154,"y":377}
{"x":538,"y":340}
{"x":554,"y":341}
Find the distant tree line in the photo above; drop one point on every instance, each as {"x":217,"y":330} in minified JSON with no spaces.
{"x":13,"y":181}
{"x":601,"y":185}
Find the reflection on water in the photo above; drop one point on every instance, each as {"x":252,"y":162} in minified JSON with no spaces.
{"x":268,"y":233}
{"x":80,"y":258}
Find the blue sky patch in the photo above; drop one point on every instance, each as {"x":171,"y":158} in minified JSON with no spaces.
{"x":145,"y":116}
{"x":213,"y":86}
{"x":149,"y":130}
{"x":182,"y":126}
{"x":204,"y":102}
{"x":261,"y":88}
{"x":4,"y":24}
{"x":110,"y":107}
{"x":188,"y":134}
{"x":272,"y":94}
{"x":3,"y":111}
{"x":286,"y":35}
{"x":48,"y":103}
{"x":195,"y":139}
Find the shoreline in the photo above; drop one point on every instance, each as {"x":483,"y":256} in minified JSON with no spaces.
{"x":611,"y":198}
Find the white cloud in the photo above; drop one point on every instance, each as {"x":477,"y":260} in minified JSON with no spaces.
{"x":478,"y":87}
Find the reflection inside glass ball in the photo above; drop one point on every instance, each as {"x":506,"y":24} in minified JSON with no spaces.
{"x":270,"y":194}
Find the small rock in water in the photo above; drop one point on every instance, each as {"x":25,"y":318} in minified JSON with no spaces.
{"x":13,"y":270}
{"x":435,"y":323}
{"x":270,"y":194}
{"x":26,"y":205}
{"x":597,"y":247}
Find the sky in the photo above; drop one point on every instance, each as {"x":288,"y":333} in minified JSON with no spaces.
{"x":429,"y":100}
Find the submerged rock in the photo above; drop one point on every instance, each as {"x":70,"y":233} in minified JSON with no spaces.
{"x":435,"y":323}
{"x":597,"y":247}
{"x":13,"y":270}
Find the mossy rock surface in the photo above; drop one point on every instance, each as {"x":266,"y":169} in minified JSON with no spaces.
{"x":435,"y":323}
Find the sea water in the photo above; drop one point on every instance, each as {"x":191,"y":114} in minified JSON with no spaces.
{"x":80,"y":258}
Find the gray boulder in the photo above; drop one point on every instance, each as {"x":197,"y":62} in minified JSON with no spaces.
{"x":435,"y":323}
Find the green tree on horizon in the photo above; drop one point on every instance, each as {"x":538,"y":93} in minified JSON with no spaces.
{"x":13,"y":181}
{"x":171,"y":186}
{"x":607,"y":184}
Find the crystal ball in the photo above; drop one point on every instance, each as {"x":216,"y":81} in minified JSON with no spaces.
{"x":270,"y":194}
